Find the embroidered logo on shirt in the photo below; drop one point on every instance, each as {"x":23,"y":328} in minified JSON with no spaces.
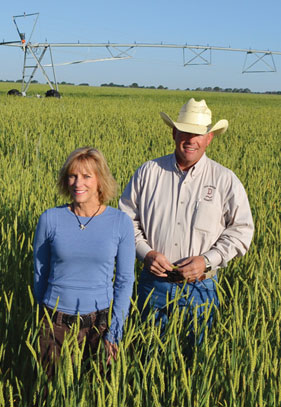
{"x":208,"y":193}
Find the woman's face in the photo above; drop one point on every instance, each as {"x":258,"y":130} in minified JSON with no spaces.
{"x":83,"y":185}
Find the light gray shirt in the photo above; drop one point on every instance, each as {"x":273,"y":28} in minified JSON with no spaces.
{"x":204,"y":211}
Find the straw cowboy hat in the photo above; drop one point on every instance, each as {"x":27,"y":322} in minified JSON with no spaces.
{"x":196,"y":118}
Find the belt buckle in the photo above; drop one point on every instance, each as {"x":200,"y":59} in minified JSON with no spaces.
{"x":81,"y":321}
{"x":69,"y":320}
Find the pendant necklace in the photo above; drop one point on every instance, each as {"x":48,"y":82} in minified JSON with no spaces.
{"x":81,"y":226}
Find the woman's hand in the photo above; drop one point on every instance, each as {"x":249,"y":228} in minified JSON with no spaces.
{"x":111,"y":351}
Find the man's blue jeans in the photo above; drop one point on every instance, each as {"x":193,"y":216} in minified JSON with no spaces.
{"x":201,"y":293}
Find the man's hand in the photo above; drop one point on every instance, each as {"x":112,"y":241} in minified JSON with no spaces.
{"x":157,"y":263}
{"x":193,"y":268}
{"x":111,"y":351}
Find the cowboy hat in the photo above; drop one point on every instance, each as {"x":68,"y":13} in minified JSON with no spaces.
{"x":196,"y":118}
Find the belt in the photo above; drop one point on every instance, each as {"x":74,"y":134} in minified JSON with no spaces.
{"x":96,"y":318}
{"x":175,"y":276}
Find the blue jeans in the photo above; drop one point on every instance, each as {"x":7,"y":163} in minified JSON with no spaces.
{"x":192,"y":294}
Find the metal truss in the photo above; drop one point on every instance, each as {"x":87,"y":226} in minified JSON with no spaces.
{"x":27,"y":78}
{"x":197,"y":59}
{"x":269,"y":66}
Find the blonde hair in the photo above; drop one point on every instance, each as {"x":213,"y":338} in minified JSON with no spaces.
{"x":94,"y":160}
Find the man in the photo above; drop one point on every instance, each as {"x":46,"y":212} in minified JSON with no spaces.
{"x":189,"y":213}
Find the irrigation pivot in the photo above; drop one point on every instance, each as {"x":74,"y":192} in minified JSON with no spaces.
{"x":260,"y":60}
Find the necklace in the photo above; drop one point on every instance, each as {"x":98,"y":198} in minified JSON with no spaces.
{"x":81,"y":226}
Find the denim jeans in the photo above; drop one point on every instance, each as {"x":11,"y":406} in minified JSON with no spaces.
{"x":191,"y":294}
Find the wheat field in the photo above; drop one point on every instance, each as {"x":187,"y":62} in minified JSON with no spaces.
{"x":238,"y":363}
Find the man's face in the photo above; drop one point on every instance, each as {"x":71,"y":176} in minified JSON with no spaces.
{"x":190,"y":147}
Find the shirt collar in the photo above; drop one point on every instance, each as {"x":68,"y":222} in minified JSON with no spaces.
{"x":193,"y":171}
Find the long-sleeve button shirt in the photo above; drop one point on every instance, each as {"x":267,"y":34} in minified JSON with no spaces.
{"x":77,"y":266}
{"x":204,"y":211}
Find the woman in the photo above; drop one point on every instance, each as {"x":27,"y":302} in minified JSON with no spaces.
{"x":76,"y":248}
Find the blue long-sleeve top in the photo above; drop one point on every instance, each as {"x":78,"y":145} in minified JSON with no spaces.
{"x":78,"y":265}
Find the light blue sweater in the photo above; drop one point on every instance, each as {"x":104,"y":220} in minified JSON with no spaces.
{"x":78,"y":265}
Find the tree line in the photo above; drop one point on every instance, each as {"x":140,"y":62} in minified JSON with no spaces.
{"x":135,"y":85}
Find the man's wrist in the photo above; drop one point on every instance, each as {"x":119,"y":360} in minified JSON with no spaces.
{"x":142,"y":249}
{"x":208,"y":266}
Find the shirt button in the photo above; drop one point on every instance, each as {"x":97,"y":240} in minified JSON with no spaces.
{"x":182,"y":202}
{"x":176,"y":244}
{"x":178,"y":223}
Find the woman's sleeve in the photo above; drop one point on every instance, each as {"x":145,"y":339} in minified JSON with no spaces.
{"x":124,"y":279}
{"x":41,"y":256}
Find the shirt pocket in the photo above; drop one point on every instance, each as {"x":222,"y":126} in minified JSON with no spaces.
{"x":207,"y":217}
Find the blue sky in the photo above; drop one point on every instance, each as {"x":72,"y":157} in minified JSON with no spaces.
{"x":238,"y":24}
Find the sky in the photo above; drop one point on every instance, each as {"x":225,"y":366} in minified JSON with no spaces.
{"x":246,"y":24}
